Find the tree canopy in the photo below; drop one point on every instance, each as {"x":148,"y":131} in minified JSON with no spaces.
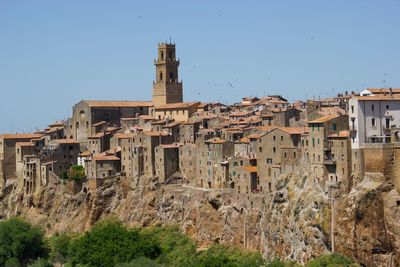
{"x":20,"y":243}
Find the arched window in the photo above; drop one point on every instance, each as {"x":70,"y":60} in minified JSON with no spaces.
{"x":161,"y":76}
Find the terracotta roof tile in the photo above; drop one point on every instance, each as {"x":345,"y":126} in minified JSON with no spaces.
{"x":20,"y":136}
{"x":250,"y":168}
{"x":325,"y":118}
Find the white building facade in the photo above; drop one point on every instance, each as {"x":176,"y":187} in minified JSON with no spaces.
{"x":372,"y":117}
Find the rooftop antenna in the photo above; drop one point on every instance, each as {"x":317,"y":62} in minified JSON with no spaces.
{"x":170,"y":41}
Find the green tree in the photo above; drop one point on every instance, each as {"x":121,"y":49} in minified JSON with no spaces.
{"x":59,"y":246}
{"x":20,"y":243}
{"x":109,"y":243}
{"x":76,"y":173}
{"x":332,"y":260}
{"x":177,"y":249}
{"x":221,"y":256}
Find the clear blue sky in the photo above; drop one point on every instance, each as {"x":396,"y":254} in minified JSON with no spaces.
{"x":54,"y":53}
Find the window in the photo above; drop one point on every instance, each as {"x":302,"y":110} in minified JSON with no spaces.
{"x":372,"y":107}
{"x":334,"y":126}
{"x":269,"y":161}
{"x":387,"y":106}
{"x":352,"y":109}
{"x":162,"y":55}
{"x":373,"y":122}
{"x":274,"y":149}
{"x":161,"y":76}
{"x":281,"y":138}
{"x":260,"y":149}
{"x":171,"y":76}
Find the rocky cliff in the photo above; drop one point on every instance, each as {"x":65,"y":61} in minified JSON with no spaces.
{"x":293,"y":223}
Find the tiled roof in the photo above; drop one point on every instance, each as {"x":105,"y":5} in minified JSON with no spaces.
{"x":20,"y":136}
{"x":325,"y":118}
{"x":155,"y":133}
{"x":146,"y":117}
{"x":86,"y":153}
{"x":99,"y":123}
{"x":123,"y":136}
{"x":387,"y":97}
{"x":254,"y":136}
{"x":216,"y":140}
{"x":294,"y":130}
{"x":176,"y":145}
{"x":384,"y":90}
{"x":250,"y":168}
{"x":112,"y":104}
{"x":344,"y":133}
{"x":105,"y":157}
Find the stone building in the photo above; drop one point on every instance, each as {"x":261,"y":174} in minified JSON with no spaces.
{"x":372,"y":117}
{"x":320,"y":129}
{"x":337,"y":158}
{"x":212,"y":165}
{"x":8,"y":154}
{"x":103,"y":166}
{"x":166,"y":161}
{"x":188,"y":162}
{"x":88,"y":112}
{"x":278,"y":152}
{"x":177,"y":111}
{"x":167,"y":88}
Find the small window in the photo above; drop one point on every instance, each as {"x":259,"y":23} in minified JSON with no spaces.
{"x":387,"y":106}
{"x":372,"y":107}
{"x":352,"y":109}
{"x":274,"y":149}
{"x":373,"y":122}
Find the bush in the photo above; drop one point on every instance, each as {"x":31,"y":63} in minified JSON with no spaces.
{"x":109,"y":243}
{"x":218,"y":256}
{"x":139,"y":262}
{"x":332,"y":260}
{"x":279,"y":263}
{"x":177,"y":249}
{"x":59,"y":246}
{"x":76,"y":173}
{"x":40,"y":263}
{"x":20,"y":243}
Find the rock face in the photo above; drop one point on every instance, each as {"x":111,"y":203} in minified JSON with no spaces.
{"x":294,"y":222}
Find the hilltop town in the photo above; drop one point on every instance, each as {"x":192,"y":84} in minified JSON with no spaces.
{"x":247,"y":153}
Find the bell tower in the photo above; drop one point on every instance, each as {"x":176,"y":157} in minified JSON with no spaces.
{"x":166,"y":88}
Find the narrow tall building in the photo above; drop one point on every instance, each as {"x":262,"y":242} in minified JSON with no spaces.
{"x":166,"y":88}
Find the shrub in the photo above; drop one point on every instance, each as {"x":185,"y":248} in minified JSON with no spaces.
{"x":109,"y":243}
{"x":331,"y":260}
{"x":20,"y":243}
{"x":59,"y":246}
{"x":76,"y":173}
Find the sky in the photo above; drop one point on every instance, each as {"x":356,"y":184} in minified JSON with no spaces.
{"x":55,"y":53}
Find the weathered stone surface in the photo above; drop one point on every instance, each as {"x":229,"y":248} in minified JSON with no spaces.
{"x":295,"y":224}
